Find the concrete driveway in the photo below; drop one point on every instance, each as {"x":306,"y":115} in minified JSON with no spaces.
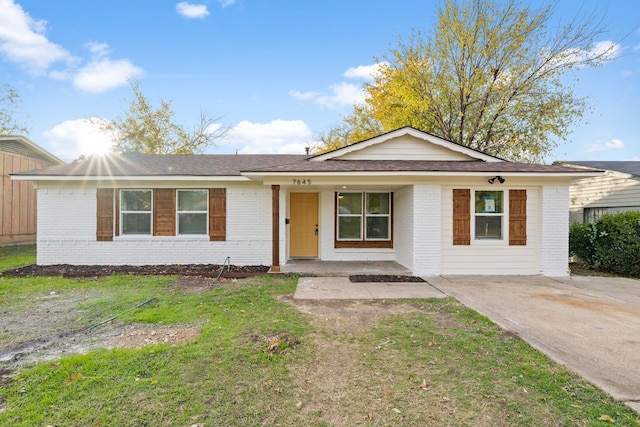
{"x":589,"y":324}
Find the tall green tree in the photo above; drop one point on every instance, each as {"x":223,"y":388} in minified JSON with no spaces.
{"x":148,"y":129}
{"x":492,"y":75}
{"x":10,"y":104}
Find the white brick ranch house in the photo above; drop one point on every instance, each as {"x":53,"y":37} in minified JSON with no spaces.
{"x":429,"y":204}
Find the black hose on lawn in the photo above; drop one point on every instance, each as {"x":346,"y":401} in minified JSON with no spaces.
{"x":118,"y":315}
{"x":226,"y":262}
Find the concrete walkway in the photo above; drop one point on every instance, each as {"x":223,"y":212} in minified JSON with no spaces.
{"x":589,"y":324}
{"x":342,"y":288}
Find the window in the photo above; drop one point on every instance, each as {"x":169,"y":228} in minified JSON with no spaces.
{"x":489,"y":217}
{"x":192,"y":211}
{"x":489,"y":213}
{"x":364,"y":216}
{"x":135,"y":211}
{"x":161,"y":212}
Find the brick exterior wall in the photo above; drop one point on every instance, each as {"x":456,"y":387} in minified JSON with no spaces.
{"x":404,"y":226}
{"x":555,"y":230}
{"x":422,"y":234}
{"x":427,"y":233}
{"x":67,"y":233}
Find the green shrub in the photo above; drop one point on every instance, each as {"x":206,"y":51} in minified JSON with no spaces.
{"x":581,"y":238}
{"x":611,"y":243}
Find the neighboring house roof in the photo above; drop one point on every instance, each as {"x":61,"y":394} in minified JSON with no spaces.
{"x":631,"y":167}
{"x":17,"y":144}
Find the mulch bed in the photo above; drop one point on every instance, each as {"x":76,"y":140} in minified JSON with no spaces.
{"x":364,"y":278}
{"x":202,"y":270}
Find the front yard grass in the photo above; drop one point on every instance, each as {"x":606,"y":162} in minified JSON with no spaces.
{"x":262,"y":360}
{"x":17,"y":256}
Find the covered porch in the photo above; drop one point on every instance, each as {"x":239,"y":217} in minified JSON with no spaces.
{"x":313,"y":267}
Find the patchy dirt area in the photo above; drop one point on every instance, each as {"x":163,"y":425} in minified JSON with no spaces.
{"x":56,"y":327}
{"x":348,"y":316}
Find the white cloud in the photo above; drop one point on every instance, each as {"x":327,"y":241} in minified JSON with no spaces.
{"x":598,"y":146}
{"x":71,"y":138}
{"x":192,"y":11}
{"x":59,"y":75}
{"x":602,"y":51}
{"x":226,"y":3}
{"x":99,"y":49}
{"x":366,"y":72}
{"x":607,"y":49}
{"x":275,"y":137}
{"x":343,"y":94}
{"x":105,"y":74}
{"x":23,"y":42}
{"x":303,"y":96}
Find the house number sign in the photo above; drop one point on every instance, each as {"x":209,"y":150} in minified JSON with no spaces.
{"x":301,"y":182}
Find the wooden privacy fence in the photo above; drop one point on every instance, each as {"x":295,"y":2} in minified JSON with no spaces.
{"x":18,"y":198}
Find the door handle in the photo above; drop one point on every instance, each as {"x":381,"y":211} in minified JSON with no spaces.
{"x":316,"y":231}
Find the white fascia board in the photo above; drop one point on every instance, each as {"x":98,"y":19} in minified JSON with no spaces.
{"x":127,"y":178}
{"x":407,"y":131}
{"x":422,"y":173}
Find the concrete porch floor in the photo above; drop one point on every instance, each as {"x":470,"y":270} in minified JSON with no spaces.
{"x":312,"y":267}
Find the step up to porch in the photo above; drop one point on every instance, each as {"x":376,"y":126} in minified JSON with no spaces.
{"x":305,"y":267}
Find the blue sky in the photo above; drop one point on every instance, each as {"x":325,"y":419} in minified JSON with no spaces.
{"x":280,"y":71}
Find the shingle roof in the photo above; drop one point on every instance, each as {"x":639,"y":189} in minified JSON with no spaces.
{"x":234,"y":165}
{"x":167,"y":164}
{"x":412,"y":166}
{"x":630,"y":167}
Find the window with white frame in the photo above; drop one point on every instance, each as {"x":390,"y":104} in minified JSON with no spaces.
{"x":135,"y":211}
{"x":364,"y":216}
{"x":192,"y":211}
{"x":489,"y":215}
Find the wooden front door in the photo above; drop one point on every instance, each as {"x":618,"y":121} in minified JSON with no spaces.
{"x":303,"y":232}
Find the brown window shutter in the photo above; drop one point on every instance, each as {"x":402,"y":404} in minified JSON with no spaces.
{"x":218,"y":214}
{"x":104,"y":227}
{"x":117,"y":214}
{"x":164,"y":212}
{"x":517,"y":217}
{"x":461,"y":217}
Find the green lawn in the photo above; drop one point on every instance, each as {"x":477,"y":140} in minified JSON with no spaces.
{"x":17,"y":256}
{"x":263,"y":359}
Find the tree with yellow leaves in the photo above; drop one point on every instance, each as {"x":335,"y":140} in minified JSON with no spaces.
{"x":492,"y":75}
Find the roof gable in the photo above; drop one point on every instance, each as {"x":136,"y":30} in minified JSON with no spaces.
{"x":20,"y":145}
{"x":406,"y":143}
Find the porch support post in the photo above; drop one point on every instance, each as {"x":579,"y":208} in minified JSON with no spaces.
{"x":275,"y":229}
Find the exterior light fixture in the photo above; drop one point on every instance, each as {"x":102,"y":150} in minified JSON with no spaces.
{"x":500,"y":179}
